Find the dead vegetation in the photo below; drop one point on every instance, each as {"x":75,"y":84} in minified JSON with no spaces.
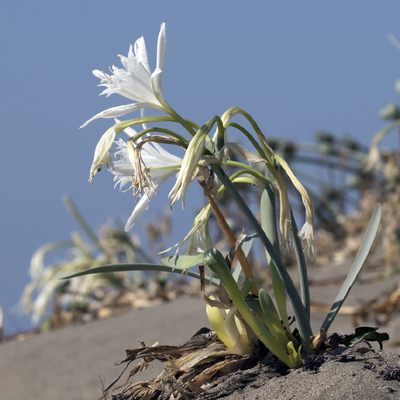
{"x":200,"y":364}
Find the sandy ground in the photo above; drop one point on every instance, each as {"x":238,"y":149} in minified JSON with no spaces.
{"x":71,"y":363}
{"x":352,"y":377}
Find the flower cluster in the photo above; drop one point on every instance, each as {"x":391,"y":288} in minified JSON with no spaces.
{"x":140,"y":164}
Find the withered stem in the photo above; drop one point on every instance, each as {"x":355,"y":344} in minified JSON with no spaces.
{"x":226,"y":229}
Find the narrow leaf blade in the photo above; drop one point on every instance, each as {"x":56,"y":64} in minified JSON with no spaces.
{"x":355,"y":269}
{"x":184,"y":261}
{"x":140,"y":267}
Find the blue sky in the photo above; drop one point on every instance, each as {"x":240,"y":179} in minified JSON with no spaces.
{"x":296,"y":66}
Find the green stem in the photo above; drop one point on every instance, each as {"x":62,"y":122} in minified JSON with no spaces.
{"x":237,"y":110}
{"x":215,"y":261}
{"x":249,"y":136}
{"x":209,"y":124}
{"x":248,"y":170}
{"x":120,"y":126}
{"x":299,"y":310}
{"x":190,"y":126}
{"x":168,"y":132}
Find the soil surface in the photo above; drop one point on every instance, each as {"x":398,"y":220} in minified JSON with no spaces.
{"x":73,"y":362}
{"x":356,"y":374}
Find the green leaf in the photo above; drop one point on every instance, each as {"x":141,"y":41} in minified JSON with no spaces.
{"x":270,"y":317}
{"x":184,"y":261}
{"x":140,"y":267}
{"x":298,"y":308}
{"x":365,"y":334}
{"x":355,"y":269}
{"x":247,"y":243}
{"x":246,"y":287}
{"x":268,"y":220}
{"x":216,"y":262}
{"x":302,"y":266}
{"x":268,"y":307}
{"x":268,"y":224}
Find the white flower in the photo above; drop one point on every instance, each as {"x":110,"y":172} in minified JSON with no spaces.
{"x":135,"y":81}
{"x":101,"y":152}
{"x":141,"y":168}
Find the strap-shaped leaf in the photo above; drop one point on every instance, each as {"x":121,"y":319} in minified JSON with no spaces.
{"x":271,"y":318}
{"x":268,"y":224}
{"x":301,"y":266}
{"x":184,"y":261}
{"x":216,"y":262}
{"x":247,"y":243}
{"x":355,"y":269}
{"x":141,"y":267}
{"x":298,"y":308}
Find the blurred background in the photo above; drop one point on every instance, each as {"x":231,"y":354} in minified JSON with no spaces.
{"x":296,"y":67}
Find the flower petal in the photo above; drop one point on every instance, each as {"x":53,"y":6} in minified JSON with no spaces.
{"x":189,"y":167}
{"x":161,"y":47}
{"x":157,"y":86}
{"x":140,"y":207}
{"x":141,"y":53}
{"x":118,"y":111}
{"x":101,"y":151}
{"x":156,"y":76}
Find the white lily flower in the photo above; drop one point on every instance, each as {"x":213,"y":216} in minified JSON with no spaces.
{"x":135,"y":81}
{"x":143,"y":168}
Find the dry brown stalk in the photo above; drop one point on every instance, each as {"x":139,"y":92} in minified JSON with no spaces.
{"x":244,"y":262}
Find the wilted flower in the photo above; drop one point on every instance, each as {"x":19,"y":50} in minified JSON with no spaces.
{"x":135,"y":81}
{"x":189,"y":168}
{"x":101,"y":152}
{"x":141,"y":167}
{"x":306,"y":233}
{"x":197,"y":239}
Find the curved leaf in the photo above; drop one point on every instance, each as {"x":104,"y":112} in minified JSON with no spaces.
{"x":355,"y":269}
{"x":301,"y":266}
{"x":140,"y":267}
{"x":183,"y":262}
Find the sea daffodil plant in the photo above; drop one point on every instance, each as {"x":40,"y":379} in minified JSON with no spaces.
{"x":243,"y":313}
